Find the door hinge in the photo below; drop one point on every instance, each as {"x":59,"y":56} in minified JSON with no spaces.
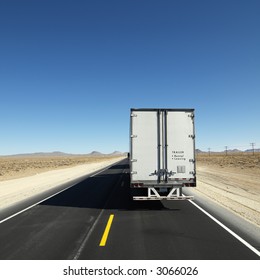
{"x":192,"y":136}
{"x":133,"y":115}
{"x":133,"y":136}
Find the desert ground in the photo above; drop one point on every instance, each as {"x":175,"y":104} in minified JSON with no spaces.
{"x":22,"y":177}
{"x":231,"y":180}
{"x":13,"y":167}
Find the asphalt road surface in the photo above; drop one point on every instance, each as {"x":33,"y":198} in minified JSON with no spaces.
{"x":71,"y":225}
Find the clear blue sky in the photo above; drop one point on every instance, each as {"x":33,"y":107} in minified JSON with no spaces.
{"x":71,"y":70}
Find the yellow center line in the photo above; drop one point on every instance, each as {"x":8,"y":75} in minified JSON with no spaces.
{"x":106,"y":232}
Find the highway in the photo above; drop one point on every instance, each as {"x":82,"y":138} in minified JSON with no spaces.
{"x":71,"y":225}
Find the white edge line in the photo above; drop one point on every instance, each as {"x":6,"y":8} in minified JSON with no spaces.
{"x":106,"y":168}
{"x":227,"y":229}
{"x":29,"y":207}
{"x":99,"y":172}
{"x":79,"y":251}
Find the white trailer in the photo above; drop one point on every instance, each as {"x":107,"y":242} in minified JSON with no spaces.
{"x":162,"y":153}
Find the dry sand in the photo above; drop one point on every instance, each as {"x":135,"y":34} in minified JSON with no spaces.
{"x":13,"y":167}
{"x":18,"y":189}
{"x":232,"y":181}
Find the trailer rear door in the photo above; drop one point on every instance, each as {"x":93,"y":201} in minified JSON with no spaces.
{"x":180,"y":144}
{"x":144,"y":142}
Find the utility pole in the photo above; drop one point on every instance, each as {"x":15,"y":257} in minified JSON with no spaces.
{"x":226,"y":149}
{"x":209,"y":151}
{"x":253,"y":148}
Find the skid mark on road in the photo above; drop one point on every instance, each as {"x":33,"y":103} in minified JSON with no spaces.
{"x":89,"y":233}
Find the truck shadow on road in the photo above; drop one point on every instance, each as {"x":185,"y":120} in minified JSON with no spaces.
{"x":108,"y":190}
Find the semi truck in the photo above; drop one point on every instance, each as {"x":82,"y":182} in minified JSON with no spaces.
{"x":162,"y":153}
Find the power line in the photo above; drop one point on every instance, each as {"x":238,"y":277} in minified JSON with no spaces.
{"x":229,"y":148}
{"x":253,"y":147}
{"x":226,"y":149}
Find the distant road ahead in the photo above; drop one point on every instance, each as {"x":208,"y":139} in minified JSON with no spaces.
{"x":71,"y":224}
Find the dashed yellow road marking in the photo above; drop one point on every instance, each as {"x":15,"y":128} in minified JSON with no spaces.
{"x":106,"y":232}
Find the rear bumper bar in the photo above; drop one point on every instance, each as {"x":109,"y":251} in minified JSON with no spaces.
{"x":173,"y":194}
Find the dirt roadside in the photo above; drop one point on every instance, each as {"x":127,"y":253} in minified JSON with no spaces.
{"x":26,"y":177}
{"x":24,"y":166}
{"x":232,"y":181}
